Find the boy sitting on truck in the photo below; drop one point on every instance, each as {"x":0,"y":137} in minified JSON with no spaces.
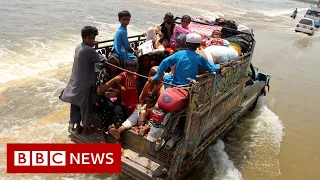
{"x":128,"y":83}
{"x":121,"y":41}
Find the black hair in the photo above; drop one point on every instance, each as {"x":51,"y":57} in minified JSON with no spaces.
{"x":89,"y":30}
{"x":123,"y":13}
{"x":186,"y":17}
{"x":163,"y":39}
{"x":130,"y":63}
{"x":151,"y":98}
{"x":216,"y":31}
{"x":169,"y":15}
{"x":192,"y":46}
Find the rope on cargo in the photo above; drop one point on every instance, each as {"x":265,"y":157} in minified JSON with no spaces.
{"x":178,"y":86}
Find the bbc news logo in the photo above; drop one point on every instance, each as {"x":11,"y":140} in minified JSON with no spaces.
{"x":39,"y":158}
{"x":64,"y":158}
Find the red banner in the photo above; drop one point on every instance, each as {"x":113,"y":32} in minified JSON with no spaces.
{"x":64,"y":158}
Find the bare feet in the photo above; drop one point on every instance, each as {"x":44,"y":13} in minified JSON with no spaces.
{"x":144,"y":130}
{"x":135,"y":128}
{"x":114,"y":132}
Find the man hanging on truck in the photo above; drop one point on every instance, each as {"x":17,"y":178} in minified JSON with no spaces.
{"x":79,"y":90}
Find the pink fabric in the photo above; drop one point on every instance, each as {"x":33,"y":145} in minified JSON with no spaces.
{"x":178,"y":29}
{"x":203,"y":30}
{"x":113,"y":99}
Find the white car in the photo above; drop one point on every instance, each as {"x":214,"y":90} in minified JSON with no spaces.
{"x":305,"y":25}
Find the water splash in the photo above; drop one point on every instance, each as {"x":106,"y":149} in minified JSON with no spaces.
{"x":224,"y":167}
{"x":37,"y":55}
{"x":255,"y":143}
{"x":249,"y":150}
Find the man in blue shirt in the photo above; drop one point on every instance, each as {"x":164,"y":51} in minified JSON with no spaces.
{"x":121,"y":41}
{"x":186,"y":63}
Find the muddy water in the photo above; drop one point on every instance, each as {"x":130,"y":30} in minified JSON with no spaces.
{"x":293,"y":63}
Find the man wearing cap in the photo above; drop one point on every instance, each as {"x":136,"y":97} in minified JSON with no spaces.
{"x":186,"y":63}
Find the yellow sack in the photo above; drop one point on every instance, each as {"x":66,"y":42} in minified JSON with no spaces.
{"x":237,"y":47}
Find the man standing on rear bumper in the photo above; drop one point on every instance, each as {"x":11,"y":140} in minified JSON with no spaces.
{"x":79,"y":90}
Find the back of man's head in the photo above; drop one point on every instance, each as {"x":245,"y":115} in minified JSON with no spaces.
{"x":89,"y":30}
{"x":193,"y":41}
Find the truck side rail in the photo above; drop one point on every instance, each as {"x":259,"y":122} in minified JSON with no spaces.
{"x":208,"y":89}
{"x":213,"y":99}
{"x":106,"y":47}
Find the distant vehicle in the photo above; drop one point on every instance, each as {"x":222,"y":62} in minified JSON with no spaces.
{"x":305,"y":25}
{"x":314,"y":14}
{"x":294,"y":14}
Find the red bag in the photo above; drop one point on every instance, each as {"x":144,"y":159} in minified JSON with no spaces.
{"x":157,"y":115}
{"x":173,"y":99}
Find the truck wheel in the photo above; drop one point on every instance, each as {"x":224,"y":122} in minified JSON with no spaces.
{"x":254,"y":105}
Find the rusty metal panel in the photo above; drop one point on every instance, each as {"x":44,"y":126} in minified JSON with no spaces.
{"x":132,"y":139}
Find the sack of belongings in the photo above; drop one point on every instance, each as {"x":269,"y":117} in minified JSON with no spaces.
{"x":226,"y":23}
{"x":243,"y":40}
